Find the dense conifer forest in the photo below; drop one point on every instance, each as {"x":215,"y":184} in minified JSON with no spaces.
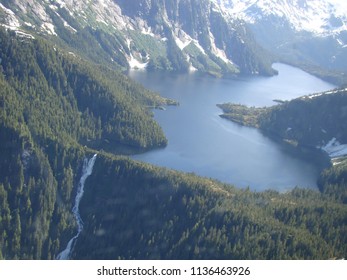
{"x":56,"y":109}
{"x":305,"y":123}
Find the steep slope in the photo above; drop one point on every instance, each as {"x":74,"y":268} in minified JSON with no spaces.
{"x":323,"y":17}
{"x":66,"y":99}
{"x":302,"y":32}
{"x":179,"y":35}
{"x":53,"y":106}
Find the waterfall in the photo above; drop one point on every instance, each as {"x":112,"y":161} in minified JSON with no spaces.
{"x":86,"y":171}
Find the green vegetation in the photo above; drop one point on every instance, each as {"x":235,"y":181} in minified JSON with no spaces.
{"x":309,"y":121}
{"x":306,"y":122}
{"x":137,"y":211}
{"x":242,"y":114}
{"x":98,"y":45}
{"x":56,"y":109}
{"x":63,"y":98}
{"x":333,"y":181}
{"x":54,"y":105}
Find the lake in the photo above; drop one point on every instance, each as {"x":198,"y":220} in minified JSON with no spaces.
{"x":202,"y":142}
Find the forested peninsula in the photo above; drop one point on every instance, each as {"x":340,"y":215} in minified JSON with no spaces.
{"x":313,"y":122}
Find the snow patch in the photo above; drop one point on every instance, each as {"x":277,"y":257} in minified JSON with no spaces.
{"x":147,"y":31}
{"x":61,"y":3}
{"x":339,"y":42}
{"x":191,"y":68}
{"x":24,"y":35}
{"x":100,"y":20}
{"x":11,"y":20}
{"x":49,"y":28}
{"x":29,"y":24}
{"x":335,"y":149}
{"x":182,"y":39}
{"x":197,"y":44}
{"x":311,"y":96}
{"x":135,"y":64}
{"x":68,"y":26}
{"x":311,"y":16}
{"x":315,"y":95}
{"x":218,"y":52}
{"x":103,"y":3}
{"x":128,"y":41}
{"x":54,"y":8}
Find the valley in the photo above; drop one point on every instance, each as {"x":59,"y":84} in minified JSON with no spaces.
{"x":80,"y":78}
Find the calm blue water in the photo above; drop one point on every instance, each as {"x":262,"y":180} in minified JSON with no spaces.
{"x":202,"y":142}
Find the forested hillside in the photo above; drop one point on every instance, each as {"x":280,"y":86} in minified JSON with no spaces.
{"x":61,"y":97}
{"x":56,"y":109}
{"x":137,"y":211}
{"x":311,"y":120}
{"x":307,"y":122}
{"x":54,"y":106}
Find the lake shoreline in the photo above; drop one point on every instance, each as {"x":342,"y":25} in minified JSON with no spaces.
{"x":200,"y":141}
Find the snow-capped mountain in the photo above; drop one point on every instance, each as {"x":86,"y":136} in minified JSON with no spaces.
{"x":213,"y":36}
{"x":180,"y":35}
{"x":322,"y":17}
{"x":299,"y":31}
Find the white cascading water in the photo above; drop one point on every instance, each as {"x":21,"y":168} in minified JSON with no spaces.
{"x":86,"y":171}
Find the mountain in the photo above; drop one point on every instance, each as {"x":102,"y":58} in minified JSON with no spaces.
{"x":301,"y":32}
{"x":55,"y":111}
{"x":178,"y":35}
{"x":62,"y":101}
{"x":322,"y":17}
